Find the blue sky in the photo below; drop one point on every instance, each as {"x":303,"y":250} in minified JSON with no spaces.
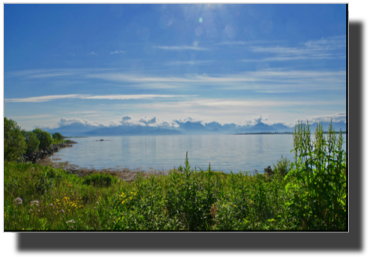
{"x":227,"y":63}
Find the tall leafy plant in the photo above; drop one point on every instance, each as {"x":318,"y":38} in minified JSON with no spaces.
{"x":317,"y":181}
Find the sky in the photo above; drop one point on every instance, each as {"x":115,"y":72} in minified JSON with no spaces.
{"x":105,"y":64}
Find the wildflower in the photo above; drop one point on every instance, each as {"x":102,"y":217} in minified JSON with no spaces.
{"x":62,"y":211}
{"x":71,"y":221}
{"x":35,"y":202}
{"x":97,"y":203}
{"x":18,"y":201}
{"x":94,"y":207}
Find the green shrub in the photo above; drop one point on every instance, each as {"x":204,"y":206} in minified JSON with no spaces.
{"x":31,"y":140}
{"x":58,"y":136}
{"x":44,"y":137}
{"x":14,"y":142}
{"x":282,"y":167}
{"x":100,"y":180}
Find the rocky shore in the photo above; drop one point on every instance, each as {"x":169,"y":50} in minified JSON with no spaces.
{"x":44,"y":158}
{"x":42,"y":154}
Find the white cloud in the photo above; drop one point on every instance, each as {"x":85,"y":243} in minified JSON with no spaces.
{"x":66,"y":122}
{"x":325,"y":48}
{"x":180,"y":48}
{"x":41,"y":99}
{"x":117,"y":52}
{"x":93,"y":53}
{"x":126,"y":118}
{"x":192,"y":63}
{"x":30,"y":117}
{"x":152,"y":122}
{"x":279,"y":81}
{"x":337,"y":117}
{"x":147,"y":121}
{"x":47,"y":98}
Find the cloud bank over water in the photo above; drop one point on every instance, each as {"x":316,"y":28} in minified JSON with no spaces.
{"x":152,"y":125}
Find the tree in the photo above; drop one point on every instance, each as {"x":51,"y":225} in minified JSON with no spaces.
{"x":31,"y":140}
{"x":44,"y":137}
{"x":14,"y":142}
{"x":58,"y":136}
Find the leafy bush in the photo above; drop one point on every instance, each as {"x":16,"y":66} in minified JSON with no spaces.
{"x":282,"y":167}
{"x":268,"y":171}
{"x":14,"y":142}
{"x":100,"y":180}
{"x":31,"y":141}
{"x":58,"y":136}
{"x":317,"y":180}
{"x":44,"y":137}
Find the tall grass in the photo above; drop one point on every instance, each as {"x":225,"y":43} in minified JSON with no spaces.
{"x":308,"y":194}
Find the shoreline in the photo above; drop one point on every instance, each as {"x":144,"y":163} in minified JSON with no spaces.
{"x":125,"y":174}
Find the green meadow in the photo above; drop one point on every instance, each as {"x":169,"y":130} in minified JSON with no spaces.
{"x":306,"y":193}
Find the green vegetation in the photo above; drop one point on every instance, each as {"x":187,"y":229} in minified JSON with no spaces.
{"x":58,"y":136}
{"x":18,"y":142}
{"x":31,"y":140}
{"x":308,"y":194}
{"x":44,"y":137}
{"x":14,"y":142}
{"x":56,"y":142}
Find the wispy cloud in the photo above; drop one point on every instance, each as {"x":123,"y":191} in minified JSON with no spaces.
{"x":41,"y":99}
{"x":117,"y":52}
{"x":261,"y":81}
{"x":242,"y":43}
{"x":192,"y":63}
{"x":30,"y":117}
{"x":93,"y":53}
{"x":336,"y":117}
{"x":47,"y":98}
{"x":326,"y":48}
{"x":66,"y":122}
{"x":180,"y":48}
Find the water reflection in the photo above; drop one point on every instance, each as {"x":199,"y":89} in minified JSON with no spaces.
{"x":225,"y":152}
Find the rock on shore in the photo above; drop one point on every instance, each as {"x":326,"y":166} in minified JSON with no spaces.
{"x":41,"y":154}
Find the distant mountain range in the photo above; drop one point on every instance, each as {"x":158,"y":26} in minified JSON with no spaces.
{"x":79,"y":129}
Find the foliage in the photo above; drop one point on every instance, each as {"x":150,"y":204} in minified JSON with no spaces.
{"x":282,"y":167}
{"x":31,"y":141}
{"x":44,"y":137}
{"x":58,"y":136}
{"x":98,"y":179}
{"x":14,"y":143}
{"x":317,"y":182}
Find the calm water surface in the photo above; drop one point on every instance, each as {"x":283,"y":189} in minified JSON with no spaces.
{"x":225,"y":152}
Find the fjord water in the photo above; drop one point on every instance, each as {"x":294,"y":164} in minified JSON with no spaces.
{"x":225,"y":152}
